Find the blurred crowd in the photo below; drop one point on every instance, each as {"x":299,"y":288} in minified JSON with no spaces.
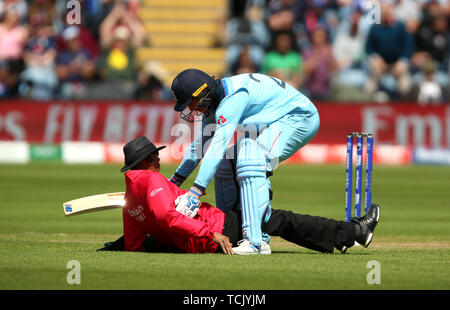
{"x":73,"y":49}
{"x":351,"y":50}
{"x":340,"y":50}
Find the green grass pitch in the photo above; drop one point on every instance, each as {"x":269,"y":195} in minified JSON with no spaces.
{"x":411,"y":243}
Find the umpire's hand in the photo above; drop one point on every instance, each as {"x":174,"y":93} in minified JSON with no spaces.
{"x":224,"y":242}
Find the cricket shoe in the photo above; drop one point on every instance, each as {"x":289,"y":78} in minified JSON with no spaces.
{"x":265,"y":248}
{"x":342,"y":249}
{"x":366,"y":225}
{"x":245,"y":247}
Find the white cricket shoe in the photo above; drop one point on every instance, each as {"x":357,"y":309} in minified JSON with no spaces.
{"x":245,"y":247}
{"x":265,"y":248}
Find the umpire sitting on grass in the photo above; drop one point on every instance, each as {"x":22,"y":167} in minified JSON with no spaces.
{"x":150,"y":211}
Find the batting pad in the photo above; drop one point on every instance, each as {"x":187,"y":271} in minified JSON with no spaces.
{"x":254,"y":189}
{"x":226,"y":186}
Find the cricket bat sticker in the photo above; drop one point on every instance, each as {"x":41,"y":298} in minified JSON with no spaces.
{"x":94,"y":203}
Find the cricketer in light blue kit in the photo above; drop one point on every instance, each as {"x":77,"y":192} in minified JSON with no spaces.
{"x":276,"y":119}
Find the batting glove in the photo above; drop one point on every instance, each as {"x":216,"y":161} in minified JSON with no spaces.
{"x":177,"y":179}
{"x":189,"y":203}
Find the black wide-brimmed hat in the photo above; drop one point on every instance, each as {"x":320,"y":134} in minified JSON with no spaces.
{"x":136,"y":150}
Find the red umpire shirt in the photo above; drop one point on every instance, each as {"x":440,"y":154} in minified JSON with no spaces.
{"x":150,"y":209}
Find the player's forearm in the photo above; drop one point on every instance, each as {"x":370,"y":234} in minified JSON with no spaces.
{"x":192,"y":156}
{"x":206,"y":173}
{"x":186,"y":167}
{"x":214,"y":155}
{"x":188,"y":164}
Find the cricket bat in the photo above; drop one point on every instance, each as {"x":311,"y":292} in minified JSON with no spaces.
{"x":94,"y":203}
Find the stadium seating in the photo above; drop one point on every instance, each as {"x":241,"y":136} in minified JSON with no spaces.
{"x":184,"y":34}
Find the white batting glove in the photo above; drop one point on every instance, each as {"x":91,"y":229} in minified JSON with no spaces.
{"x":189,"y":203}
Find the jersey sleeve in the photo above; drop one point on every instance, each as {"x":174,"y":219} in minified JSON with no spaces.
{"x":162,"y":205}
{"x":228,"y":116}
{"x":134,"y":236}
{"x":194,"y":153}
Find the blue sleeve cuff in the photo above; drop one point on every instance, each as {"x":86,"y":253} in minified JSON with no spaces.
{"x":200,"y":187}
{"x":179,"y":176}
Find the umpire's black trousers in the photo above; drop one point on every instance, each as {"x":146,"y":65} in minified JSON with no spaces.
{"x":312,"y":232}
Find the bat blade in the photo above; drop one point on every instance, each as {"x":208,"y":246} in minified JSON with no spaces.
{"x":94,"y":203}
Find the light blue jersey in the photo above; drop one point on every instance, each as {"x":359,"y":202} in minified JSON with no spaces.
{"x":269,"y":99}
{"x":250,"y":99}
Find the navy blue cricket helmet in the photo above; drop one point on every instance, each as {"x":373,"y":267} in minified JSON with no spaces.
{"x":189,"y":84}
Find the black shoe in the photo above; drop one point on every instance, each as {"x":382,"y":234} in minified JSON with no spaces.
{"x":342,"y":248}
{"x":366,"y":225}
